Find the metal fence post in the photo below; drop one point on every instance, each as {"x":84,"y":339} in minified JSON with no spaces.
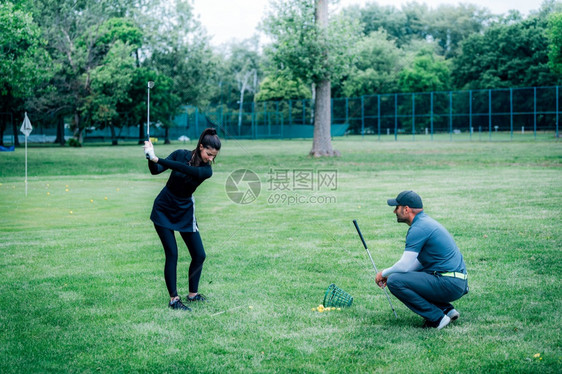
{"x":490,"y":113}
{"x":470,"y":113}
{"x":450,"y":115}
{"x":197,"y":121}
{"x":535,"y":111}
{"x":363,"y":116}
{"x":431,"y":115}
{"x":379,"y":114}
{"x":414,"y":116}
{"x":511,"y":112}
{"x":254,"y":127}
{"x":290,"y":112}
{"x":557,"y":112}
{"x":395,"y":117}
{"x":346,"y":110}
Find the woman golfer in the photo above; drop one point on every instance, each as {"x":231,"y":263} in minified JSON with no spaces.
{"x":174,"y":209}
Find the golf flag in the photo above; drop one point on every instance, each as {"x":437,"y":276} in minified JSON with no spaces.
{"x":26,"y":129}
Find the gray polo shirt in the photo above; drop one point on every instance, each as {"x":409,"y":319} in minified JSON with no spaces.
{"x":436,"y":248}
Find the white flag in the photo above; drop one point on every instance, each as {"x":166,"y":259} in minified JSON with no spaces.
{"x":26,"y":127}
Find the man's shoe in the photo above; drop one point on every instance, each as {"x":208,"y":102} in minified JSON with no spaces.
{"x":444,"y":322}
{"x":453,"y":315}
{"x":196,"y":298}
{"x":178,"y":305}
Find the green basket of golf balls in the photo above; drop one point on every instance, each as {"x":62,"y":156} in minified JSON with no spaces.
{"x":336,"y":297}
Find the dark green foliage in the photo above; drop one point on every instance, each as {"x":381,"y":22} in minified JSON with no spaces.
{"x":506,"y":55}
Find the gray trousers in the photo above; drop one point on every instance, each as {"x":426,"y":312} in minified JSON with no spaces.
{"x":427,"y":294}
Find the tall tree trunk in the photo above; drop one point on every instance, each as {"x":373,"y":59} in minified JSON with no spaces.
{"x":322,"y":141}
{"x":142,"y":137}
{"x":78,"y":133}
{"x":241,"y":106}
{"x":60,"y":131}
{"x":113,"y":136}
{"x":16,"y":137}
{"x":167,"y":135}
{"x":2,"y":128}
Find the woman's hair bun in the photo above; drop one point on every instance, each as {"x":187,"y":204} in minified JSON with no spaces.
{"x":211,"y":131}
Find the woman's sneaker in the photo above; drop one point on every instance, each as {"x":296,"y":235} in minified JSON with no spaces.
{"x":197,"y":297}
{"x":178,"y":305}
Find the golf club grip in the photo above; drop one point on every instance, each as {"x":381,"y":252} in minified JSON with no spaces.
{"x":359,"y":232}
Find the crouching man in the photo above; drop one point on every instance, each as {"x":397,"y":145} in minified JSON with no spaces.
{"x":431,"y":272}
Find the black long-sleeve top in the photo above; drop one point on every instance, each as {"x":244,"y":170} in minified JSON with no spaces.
{"x":184,"y":178}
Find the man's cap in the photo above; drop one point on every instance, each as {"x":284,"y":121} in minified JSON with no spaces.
{"x":407,"y":198}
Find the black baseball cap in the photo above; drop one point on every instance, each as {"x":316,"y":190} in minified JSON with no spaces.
{"x":407,"y":198}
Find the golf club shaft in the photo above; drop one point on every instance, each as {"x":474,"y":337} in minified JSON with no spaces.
{"x":375,"y":266}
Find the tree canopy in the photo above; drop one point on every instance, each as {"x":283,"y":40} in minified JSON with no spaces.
{"x":86,"y":63}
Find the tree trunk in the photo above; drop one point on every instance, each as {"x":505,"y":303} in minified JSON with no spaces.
{"x":322,"y":141}
{"x":16,"y":137}
{"x":60,"y":132}
{"x":113,"y":137}
{"x":241,"y":106}
{"x":166,"y":135}
{"x":142,"y":137}
{"x":78,"y":133}
{"x":2,"y":128}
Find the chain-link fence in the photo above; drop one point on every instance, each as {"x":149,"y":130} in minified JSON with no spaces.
{"x":495,"y":114}
{"x":473,"y":114}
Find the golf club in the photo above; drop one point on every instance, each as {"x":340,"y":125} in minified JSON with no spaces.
{"x":150,"y":85}
{"x":375,"y":266}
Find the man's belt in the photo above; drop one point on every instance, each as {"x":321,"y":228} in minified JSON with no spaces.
{"x":454,"y":274}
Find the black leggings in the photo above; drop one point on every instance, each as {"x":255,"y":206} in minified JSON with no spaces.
{"x":196,"y":250}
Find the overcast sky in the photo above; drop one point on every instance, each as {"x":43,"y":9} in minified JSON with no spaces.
{"x":226,"y":20}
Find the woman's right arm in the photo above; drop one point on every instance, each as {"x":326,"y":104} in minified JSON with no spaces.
{"x":156,"y":168}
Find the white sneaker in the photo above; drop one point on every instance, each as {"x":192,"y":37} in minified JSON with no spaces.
{"x":444,"y":322}
{"x":453,"y":314}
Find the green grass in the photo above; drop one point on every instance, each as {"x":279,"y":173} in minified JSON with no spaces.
{"x":84,"y":291}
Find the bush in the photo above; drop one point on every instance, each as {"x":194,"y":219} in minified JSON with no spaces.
{"x":74,"y":143}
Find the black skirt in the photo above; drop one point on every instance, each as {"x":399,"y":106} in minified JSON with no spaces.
{"x":173,"y":212}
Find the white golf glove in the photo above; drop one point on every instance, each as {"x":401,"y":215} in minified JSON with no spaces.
{"x":149,"y":150}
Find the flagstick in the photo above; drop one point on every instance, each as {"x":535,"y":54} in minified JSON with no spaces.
{"x":26,"y":166}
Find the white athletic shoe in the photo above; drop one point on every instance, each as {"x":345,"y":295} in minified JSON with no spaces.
{"x":453,"y":314}
{"x":444,"y":322}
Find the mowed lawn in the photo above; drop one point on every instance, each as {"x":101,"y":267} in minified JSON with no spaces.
{"x":82,"y":286}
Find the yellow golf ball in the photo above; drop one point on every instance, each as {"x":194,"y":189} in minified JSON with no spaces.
{"x":66,"y":190}
{"x":71,"y":212}
{"x":105,"y":198}
{"x":91,"y":200}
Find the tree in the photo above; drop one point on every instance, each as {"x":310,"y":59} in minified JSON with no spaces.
{"x":110,"y":86}
{"x":180,"y":51}
{"x":401,"y":25}
{"x":505,"y":55}
{"x":428,"y":72}
{"x":449,"y":25}
{"x":278,"y":88}
{"x":554,"y":32}
{"x":244,"y":65}
{"x":307,"y":45}
{"x":80,"y":34}
{"x":375,"y":69}
{"x":24,"y":62}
